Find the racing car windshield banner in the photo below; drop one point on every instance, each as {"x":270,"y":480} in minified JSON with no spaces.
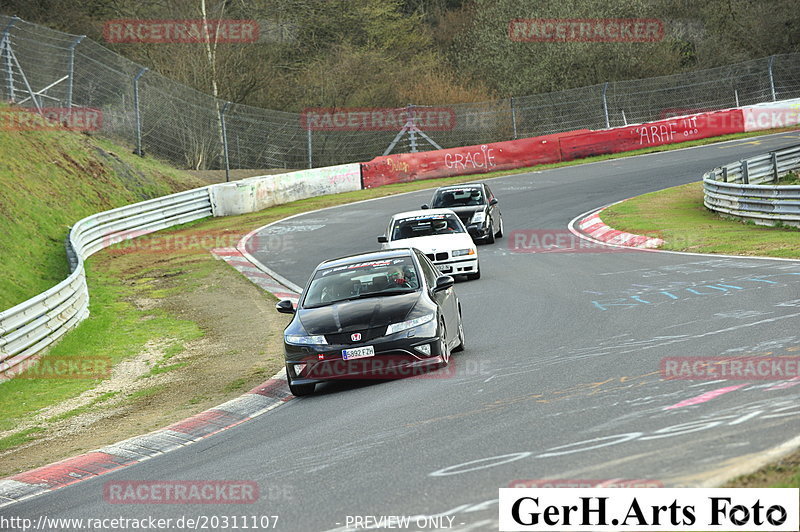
{"x":667,"y":509}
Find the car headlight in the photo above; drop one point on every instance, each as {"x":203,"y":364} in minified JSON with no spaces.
{"x":478,"y":217}
{"x":409,"y":324}
{"x":302,"y":339}
{"x":461,"y":252}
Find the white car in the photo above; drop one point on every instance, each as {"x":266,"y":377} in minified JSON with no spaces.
{"x":440,"y":235}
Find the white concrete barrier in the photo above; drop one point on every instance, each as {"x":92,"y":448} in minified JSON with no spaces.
{"x":257,"y":193}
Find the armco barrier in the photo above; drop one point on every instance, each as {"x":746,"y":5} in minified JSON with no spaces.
{"x":461,"y":161}
{"x":738,"y":189}
{"x":771,"y":115}
{"x":33,"y":325}
{"x":670,"y":131}
{"x":256,"y":193}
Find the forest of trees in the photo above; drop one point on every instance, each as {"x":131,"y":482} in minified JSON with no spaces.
{"x":393,"y":52}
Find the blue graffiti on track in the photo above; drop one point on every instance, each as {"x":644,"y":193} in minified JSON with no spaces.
{"x":656,"y":296}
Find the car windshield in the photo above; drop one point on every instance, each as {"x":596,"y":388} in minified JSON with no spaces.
{"x":458,"y":197}
{"x":360,"y":280}
{"x":426,"y":225}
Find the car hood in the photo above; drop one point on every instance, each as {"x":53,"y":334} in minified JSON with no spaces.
{"x":358,"y":314}
{"x":434,"y":243}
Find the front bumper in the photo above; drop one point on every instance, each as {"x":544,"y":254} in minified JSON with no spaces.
{"x":395,"y":356}
{"x":459,"y":266}
{"x":479,"y":231}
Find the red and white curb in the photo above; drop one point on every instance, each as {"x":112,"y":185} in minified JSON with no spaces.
{"x":257,"y":401}
{"x":594,"y":227}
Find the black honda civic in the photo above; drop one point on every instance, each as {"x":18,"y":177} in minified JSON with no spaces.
{"x":380,"y":315}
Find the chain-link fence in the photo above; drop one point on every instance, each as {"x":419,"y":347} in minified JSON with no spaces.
{"x":46,"y":68}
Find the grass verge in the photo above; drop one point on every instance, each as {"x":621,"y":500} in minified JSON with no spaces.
{"x":678,"y":216}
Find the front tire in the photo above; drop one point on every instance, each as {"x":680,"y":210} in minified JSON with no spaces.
{"x":460,"y":347}
{"x":443,"y":350}
{"x":490,"y":238}
{"x":299,"y":390}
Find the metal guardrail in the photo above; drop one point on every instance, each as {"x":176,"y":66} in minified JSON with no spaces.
{"x":33,"y":325}
{"x":739,"y":189}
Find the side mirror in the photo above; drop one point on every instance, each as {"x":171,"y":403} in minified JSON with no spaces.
{"x":285,"y":307}
{"x":493,"y":202}
{"x":426,"y":206}
{"x":443,"y":283}
{"x":382,"y":239}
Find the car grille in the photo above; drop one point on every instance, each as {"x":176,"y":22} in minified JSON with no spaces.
{"x":346,"y":339}
{"x":442,"y":255}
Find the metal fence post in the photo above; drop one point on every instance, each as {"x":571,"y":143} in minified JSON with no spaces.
{"x":745,"y":171}
{"x":724,"y":174}
{"x":605,"y":105}
{"x":514,"y":117}
{"x":771,"y":78}
{"x":736,"y":95}
{"x":775,"y":166}
{"x":138,"y":151}
{"x":71,"y":68}
{"x":5,"y":41}
{"x":412,"y":137}
{"x":310,"y":162}
{"x":225,"y":140}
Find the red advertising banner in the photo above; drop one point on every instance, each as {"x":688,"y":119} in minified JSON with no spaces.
{"x":461,"y":161}
{"x":671,"y":131}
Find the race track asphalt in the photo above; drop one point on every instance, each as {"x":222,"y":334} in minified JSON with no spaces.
{"x":560,"y":380}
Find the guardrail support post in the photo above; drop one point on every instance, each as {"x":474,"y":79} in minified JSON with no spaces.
{"x":771,"y":78}
{"x":745,"y":171}
{"x":5,"y":48}
{"x":514,"y":117}
{"x":775,"y":167}
{"x":605,"y":105}
{"x":225,"y":140}
{"x":138,"y":151}
{"x":71,"y":67}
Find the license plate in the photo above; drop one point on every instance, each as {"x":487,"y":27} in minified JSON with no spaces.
{"x":358,"y":352}
{"x":444,"y":268}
